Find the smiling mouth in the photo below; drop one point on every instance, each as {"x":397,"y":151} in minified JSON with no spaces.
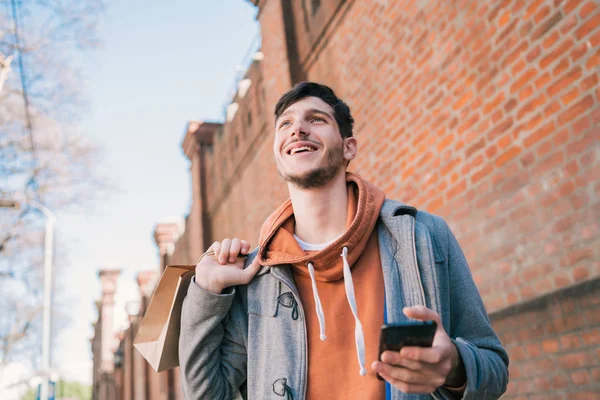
{"x":303,"y":149}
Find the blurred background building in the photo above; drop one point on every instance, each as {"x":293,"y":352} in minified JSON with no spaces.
{"x":484,"y":112}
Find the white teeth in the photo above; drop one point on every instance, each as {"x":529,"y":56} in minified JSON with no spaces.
{"x":297,"y":149}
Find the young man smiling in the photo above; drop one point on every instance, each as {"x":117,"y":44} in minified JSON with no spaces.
{"x":301,"y":316}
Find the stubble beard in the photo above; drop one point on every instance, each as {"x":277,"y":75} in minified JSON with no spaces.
{"x":317,"y":177}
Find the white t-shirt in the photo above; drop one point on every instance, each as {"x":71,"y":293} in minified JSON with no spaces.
{"x":311,"y":246}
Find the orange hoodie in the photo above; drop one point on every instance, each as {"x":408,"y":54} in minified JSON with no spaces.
{"x":334,"y":363}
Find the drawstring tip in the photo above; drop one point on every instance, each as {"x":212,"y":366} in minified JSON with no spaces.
{"x":323,"y":337}
{"x":363,"y":371}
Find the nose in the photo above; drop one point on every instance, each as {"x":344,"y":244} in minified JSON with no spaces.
{"x":300,"y":128}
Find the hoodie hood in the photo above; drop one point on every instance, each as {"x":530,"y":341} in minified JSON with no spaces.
{"x":279,"y":247}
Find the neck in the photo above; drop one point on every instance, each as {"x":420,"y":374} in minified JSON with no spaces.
{"x":321,"y":213}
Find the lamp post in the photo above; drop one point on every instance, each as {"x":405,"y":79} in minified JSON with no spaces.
{"x":46,"y":317}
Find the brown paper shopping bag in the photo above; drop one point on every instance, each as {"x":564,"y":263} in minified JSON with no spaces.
{"x":158,"y":336}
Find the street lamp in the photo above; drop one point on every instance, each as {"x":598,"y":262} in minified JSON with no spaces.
{"x":48,"y":247}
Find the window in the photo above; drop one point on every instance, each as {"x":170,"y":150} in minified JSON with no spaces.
{"x":249,"y":118}
{"x":236,"y":142}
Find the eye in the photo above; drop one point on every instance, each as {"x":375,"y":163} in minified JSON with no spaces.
{"x":317,"y":119}
{"x":284,"y":124}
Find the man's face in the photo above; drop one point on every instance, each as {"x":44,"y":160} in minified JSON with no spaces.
{"x":308,"y":147}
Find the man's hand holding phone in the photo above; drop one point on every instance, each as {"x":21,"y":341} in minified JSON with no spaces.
{"x":423,"y":369}
{"x":225,"y":268}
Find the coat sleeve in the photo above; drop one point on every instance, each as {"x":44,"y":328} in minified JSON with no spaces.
{"x":484,"y":358}
{"x":212,"y":344}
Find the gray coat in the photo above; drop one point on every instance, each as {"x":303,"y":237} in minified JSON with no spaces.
{"x":253,"y":337}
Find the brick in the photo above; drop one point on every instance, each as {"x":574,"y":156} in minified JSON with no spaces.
{"x":591,"y":337}
{"x":588,"y":26}
{"x":580,"y":377}
{"x":491,"y":151}
{"x":574,"y":360}
{"x":569,"y":23}
{"x":574,"y":256}
{"x":456,"y":190}
{"x":550,"y":41}
{"x":561,"y":67}
{"x":504,"y":142}
{"x":533,"y":54}
{"x":589,"y":82}
{"x":462,"y":101}
{"x":580,"y":274}
{"x":570,"y":341}
{"x":543,"y":80}
{"x":579,"y":51}
{"x":595,"y":373}
{"x":587,"y":9}
{"x":532,"y":8}
{"x":576,"y":110}
{"x":518,"y":67}
{"x":483,"y":172}
{"x":555,"y":54}
{"x":475,"y":147}
{"x":540,"y":134}
{"x":564,"y":82}
{"x":571,"y":5}
{"x":512,"y":57}
{"x":526,"y":77}
{"x":593,"y":62}
{"x":580,"y":127}
{"x":584,"y":395}
{"x":531,"y":106}
{"x":507,"y":156}
{"x":494,"y":104}
{"x":510,"y":105}
{"x":546,"y":25}
{"x":553,"y":108}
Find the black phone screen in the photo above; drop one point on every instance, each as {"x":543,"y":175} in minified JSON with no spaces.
{"x":410,"y":333}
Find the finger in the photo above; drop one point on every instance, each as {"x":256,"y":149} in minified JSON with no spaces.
{"x":234,"y":251}
{"x":409,"y":388}
{"x":250,"y":271}
{"x":245,"y":247}
{"x":398,"y":373}
{"x":395,"y":358}
{"x":430,"y":355}
{"x":216,"y":248}
{"x":406,"y":380}
{"x":224,"y":253}
{"x":422,"y":314}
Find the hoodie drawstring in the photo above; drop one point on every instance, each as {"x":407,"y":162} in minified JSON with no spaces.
{"x":359,"y":335}
{"x":319,"y":307}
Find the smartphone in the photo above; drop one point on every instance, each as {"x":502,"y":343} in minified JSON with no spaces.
{"x":409,"y":333}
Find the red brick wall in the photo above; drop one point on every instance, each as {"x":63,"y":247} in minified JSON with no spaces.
{"x":554,"y":346}
{"x":484,"y":112}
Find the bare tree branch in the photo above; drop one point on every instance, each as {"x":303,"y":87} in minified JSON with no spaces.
{"x":40,"y":92}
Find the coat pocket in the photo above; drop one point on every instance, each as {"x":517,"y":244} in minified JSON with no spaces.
{"x":263,"y":292}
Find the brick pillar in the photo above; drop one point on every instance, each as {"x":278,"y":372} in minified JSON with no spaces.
{"x":142,"y":371}
{"x":197,"y":142}
{"x":166,"y":234}
{"x":106,"y":384}
{"x":108,"y":282}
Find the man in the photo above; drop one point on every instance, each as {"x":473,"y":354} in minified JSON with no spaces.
{"x":301,"y":316}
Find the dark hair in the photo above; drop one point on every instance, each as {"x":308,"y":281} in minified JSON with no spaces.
{"x":341,"y":111}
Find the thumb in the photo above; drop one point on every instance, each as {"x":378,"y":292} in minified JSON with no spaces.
{"x":252,"y":269}
{"x":421,"y":313}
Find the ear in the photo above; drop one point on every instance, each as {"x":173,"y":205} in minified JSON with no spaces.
{"x":350,"y":148}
